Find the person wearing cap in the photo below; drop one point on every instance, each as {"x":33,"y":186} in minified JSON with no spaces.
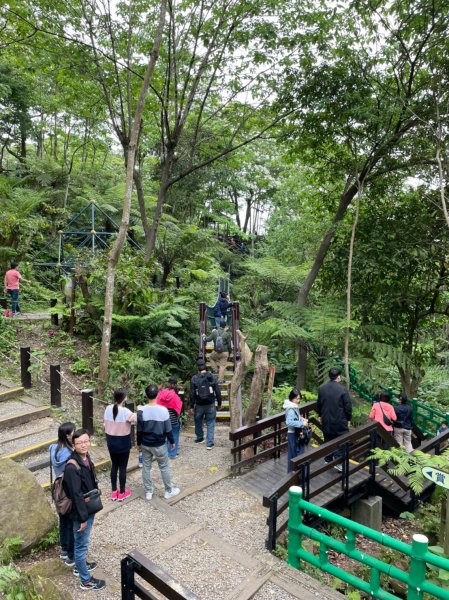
{"x":204,"y":391}
{"x":334,"y":409}
{"x":222,"y":350}
{"x":169,"y":398}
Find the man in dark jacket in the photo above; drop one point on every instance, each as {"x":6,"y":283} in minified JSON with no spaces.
{"x":79,"y":478}
{"x":204,"y":391}
{"x":221,"y":308}
{"x":334,"y":408}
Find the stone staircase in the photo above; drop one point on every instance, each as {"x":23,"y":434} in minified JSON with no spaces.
{"x":28,"y":428}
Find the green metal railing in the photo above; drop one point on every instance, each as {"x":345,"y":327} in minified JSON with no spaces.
{"x":427,"y":419}
{"x":418,"y":553}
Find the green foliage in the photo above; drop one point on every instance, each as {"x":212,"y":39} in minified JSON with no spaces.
{"x":81,"y":367}
{"x":51,"y":539}
{"x":439,"y":576}
{"x":16,"y":585}
{"x":9,"y":549}
{"x":410,"y":465}
{"x":8,"y":336}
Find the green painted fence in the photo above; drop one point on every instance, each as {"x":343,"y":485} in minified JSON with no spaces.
{"x":418,"y":554}
{"x":427,"y":419}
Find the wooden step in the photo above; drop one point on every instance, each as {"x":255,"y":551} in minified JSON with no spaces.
{"x":11,"y":393}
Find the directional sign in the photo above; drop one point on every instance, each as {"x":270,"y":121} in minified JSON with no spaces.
{"x":439,"y":477}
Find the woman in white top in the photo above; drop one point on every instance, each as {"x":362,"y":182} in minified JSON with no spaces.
{"x":117,"y":426}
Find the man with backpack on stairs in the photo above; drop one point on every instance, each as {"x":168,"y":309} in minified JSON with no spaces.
{"x":222,"y":349}
{"x":204,"y":391}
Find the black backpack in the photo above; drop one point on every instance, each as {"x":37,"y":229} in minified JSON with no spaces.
{"x":219,"y":343}
{"x":203,"y":383}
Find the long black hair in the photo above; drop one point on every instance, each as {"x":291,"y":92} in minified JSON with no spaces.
{"x":64,"y":430}
{"x":119,"y":396}
{"x":294,"y":394}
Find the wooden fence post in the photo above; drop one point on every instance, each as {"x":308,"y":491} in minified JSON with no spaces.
{"x":54,"y":316}
{"x":129,"y":404}
{"x":25,"y":364}
{"x":55,"y":385}
{"x":87,"y":411}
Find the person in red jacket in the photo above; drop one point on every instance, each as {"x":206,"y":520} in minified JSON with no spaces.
{"x":383,"y":412}
{"x":169,"y":398}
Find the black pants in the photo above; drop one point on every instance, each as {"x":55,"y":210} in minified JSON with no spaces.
{"x":328,"y":437}
{"x":119,"y":464}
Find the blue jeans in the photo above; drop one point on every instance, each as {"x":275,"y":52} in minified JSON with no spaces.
{"x":206,"y":411}
{"x":82,"y":548}
{"x":15,"y":300}
{"x":66,"y":539}
{"x":158,"y":453}
{"x":175,"y":430}
{"x":294,"y":449}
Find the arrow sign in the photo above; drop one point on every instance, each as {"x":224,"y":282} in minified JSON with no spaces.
{"x":441,"y":478}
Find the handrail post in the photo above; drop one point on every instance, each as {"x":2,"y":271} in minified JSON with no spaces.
{"x":294,"y":523}
{"x":25,"y":364}
{"x":272,"y":524}
{"x":203,"y":330}
{"x":127,"y":578}
{"x":235,"y":328}
{"x":417,"y":574}
{"x":87,"y":411}
{"x":54,"y":316}
{"x":130,"y":404}
{"x":55,"y":385}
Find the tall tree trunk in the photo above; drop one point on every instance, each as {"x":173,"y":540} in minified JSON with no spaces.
{"x":349,"y":284}
{"x":150,"y":243}
{"x":303,"y":294}
{"x":116,"y":249}
{"x":143,"y":213}
{"x":261,"y":368}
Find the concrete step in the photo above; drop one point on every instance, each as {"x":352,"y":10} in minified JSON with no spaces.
{"x":8,"y":393}
{"x":21,"y":415}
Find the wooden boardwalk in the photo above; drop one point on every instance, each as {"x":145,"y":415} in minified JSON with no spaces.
{"x":261,"y":480}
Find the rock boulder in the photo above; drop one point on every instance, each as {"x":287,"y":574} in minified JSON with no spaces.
{"x":24,"y":509}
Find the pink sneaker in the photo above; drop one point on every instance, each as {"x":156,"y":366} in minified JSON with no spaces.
{"x":114,"y":495}
{"x":121,"y":497}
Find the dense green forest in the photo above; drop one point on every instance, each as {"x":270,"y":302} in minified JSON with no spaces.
{"x":315,"y":133}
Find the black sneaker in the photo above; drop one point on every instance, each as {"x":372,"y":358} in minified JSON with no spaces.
{"x":69,"y":562}
{"x":210,"y":446}
{"x":93,"y":584}
{"x":199,"y":441}
{"x":91,"y":566}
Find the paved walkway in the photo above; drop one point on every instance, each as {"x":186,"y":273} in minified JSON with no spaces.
{"x":211,"y":537}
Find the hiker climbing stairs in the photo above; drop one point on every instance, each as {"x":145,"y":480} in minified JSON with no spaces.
{"x":207,"y":322}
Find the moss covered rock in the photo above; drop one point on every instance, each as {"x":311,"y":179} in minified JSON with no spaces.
{"x":43,"y":576}
{"x":24,"y":509}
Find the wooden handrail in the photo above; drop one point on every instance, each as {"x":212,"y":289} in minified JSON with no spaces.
{"x":136,"y":562}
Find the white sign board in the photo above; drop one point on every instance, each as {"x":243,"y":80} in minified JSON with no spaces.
{"x":439,"y":477}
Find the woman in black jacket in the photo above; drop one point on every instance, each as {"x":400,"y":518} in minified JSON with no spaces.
{"x":404,"y":423}
{"x":79,"y":478}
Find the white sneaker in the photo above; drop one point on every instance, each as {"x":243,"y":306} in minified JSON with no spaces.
{"x":149,"y":495}
{"x":174,"y":492}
